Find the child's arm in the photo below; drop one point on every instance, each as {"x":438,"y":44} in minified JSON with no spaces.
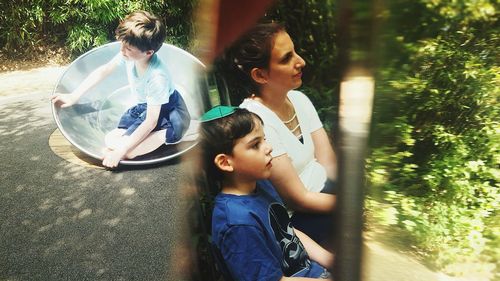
{"x":302,"y":279}
{"x":112,"y":158}
{"x":93,"y":79}
{"x":314,"y":250}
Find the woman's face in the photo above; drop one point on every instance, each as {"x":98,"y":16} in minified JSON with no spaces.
{"x":285,"y":65}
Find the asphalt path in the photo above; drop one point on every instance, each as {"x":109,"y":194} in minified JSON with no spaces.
{"x":62,"y":221}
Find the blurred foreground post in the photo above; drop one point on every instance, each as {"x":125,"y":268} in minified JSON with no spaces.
{"x":355,"y":33}
{"x":220,"y":22}
{"x":356,"y":96}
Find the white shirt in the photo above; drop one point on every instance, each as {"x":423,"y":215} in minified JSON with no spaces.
{"x":312,"y":173}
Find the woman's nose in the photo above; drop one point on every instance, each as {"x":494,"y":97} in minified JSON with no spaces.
{"x":300,"y":62}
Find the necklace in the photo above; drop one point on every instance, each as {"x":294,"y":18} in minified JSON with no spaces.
{"x":295,"y":129}
{"x":291,"y":119}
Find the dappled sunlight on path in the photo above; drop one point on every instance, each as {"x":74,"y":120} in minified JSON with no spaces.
{"x":63,"y":221}
{"x":388,"y":256}
{"x":38,"y":80}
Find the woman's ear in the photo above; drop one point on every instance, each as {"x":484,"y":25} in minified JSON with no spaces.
{"x":223,"y":162}
{"x":259,"y":75}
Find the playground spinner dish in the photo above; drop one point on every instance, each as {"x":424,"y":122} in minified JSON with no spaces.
{"x":86,"y":123}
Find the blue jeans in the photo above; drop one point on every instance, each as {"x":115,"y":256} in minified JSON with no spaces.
{"x":174,"y":117}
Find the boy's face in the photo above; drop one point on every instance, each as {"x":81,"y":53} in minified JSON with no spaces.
{"x":251,"y":157}
{"x":132,"y":53}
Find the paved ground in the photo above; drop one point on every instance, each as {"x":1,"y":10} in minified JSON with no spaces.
{"x":63,"y":221}
{"x":36,"y":81}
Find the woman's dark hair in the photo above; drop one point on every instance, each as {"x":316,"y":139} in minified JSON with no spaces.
{"x":252,"y":50}
{"x":219,"y":136}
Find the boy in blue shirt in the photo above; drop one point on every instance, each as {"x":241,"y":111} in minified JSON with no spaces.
{"x":251,"y":230}
{"x":161,"y":115}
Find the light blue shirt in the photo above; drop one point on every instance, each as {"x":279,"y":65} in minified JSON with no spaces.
{"x":154,"y":86}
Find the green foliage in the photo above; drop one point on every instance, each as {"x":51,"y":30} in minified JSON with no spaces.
{"x":20,"y":22}
{"x":84,"y":24}
{"x":436,"y":134}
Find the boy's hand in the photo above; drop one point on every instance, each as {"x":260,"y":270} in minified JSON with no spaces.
{"x":113,"y":157}
{"x":64,"y":100}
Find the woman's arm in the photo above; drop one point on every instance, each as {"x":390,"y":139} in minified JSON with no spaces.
{"x":288,"y":184}
{"x":324,"y":153}
{"x":112,"y":158}
{"x":314,"y":250}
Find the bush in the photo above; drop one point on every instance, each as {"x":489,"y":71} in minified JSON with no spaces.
{"x":436,"y":137}
{"x":83,"y":25}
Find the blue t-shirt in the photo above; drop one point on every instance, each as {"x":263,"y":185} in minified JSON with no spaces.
{"x":255,"y":239}
{"x":154,"y":86}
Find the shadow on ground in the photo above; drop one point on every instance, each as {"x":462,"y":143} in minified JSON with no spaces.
{"x":61,"y":221}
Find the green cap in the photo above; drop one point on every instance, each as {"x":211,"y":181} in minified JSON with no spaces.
{"x":217,"y":112}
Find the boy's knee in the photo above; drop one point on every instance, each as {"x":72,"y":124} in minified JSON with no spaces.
{"x":173,"y":135}
{"x":180,"y":124}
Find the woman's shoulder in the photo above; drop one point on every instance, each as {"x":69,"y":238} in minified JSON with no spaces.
{"x":300,"y":100}
{"x":249,"y":104}
{"x":259,"y":109}
{"x":298,"y":96}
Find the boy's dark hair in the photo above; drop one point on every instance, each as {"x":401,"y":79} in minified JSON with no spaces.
{"x":251,"y":50}
{"x":219,"y":136}
{"x":142,"y":30}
